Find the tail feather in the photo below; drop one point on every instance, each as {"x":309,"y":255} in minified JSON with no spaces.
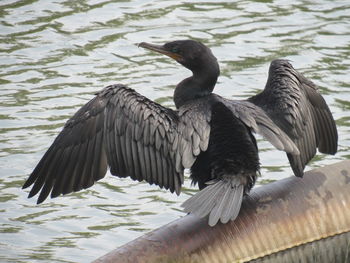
{"x":203,"y":203}
{"x":221,"y":200}
{"x":220,"y":208}
{"x":234,"y":205}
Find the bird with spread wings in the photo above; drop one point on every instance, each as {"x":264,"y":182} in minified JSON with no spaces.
{"x":135,"y":137}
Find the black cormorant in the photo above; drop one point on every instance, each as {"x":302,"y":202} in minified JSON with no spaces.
{"x":211,"y":135}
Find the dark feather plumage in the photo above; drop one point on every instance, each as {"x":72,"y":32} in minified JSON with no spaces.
{"x":295,"y":105}
{"x":138,"y":138}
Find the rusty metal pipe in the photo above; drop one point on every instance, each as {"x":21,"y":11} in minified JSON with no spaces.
{"x":291,"y":220}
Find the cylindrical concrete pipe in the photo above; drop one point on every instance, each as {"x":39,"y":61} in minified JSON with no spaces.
{"x":292,"y":220}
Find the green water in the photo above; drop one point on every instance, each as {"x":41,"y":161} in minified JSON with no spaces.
{"x":55,"y":54}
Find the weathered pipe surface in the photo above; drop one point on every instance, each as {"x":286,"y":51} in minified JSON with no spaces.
{"x":292,"y":220}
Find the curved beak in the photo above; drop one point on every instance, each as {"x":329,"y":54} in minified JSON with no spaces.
{"x":160,"y":49}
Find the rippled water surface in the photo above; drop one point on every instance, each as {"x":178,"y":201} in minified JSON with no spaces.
{"x":56,"y":54}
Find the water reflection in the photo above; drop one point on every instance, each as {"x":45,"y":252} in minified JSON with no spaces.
{"x":55,"y":55}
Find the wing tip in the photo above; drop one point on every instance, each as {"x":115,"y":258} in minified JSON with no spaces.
{"x":30,"y":195}
{"x":40,"y":200}
{"x":280,"y":62}
{"x":26,"y":184}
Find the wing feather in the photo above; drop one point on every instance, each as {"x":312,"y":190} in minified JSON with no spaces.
{"x":131,"y":134}
{"x":295,"y":105}
{"x":57,"y":187}
{"x":259,"y":122}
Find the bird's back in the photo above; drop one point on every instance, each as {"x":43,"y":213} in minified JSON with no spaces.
{"x":232,"y":148}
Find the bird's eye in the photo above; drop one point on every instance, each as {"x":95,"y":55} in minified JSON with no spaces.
{"x":175,"y":50}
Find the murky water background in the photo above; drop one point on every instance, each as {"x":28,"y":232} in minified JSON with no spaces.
{"x":56,"y":54}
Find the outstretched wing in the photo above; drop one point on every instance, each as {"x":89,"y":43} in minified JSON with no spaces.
{"x":131,"y":134}
{"x":76,"y":158}
{"x":295,"y":105}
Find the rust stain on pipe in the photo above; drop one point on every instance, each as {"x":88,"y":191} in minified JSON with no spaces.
{"x":284,"y":219}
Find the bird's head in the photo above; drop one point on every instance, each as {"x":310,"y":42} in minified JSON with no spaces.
{"x":189,"y":53}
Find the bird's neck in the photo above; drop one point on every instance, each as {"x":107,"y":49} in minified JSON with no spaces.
{"x":200,"y":84}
